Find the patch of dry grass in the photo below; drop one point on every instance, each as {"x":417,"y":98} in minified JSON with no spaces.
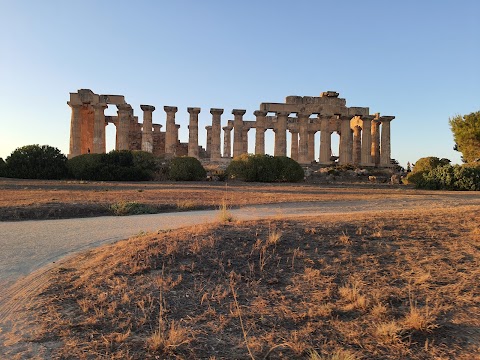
{"x":42,"y":199}
{"x":404,"y":286}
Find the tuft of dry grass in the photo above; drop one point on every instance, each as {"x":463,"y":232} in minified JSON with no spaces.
{"x":344,"y":239}
{"x":388,"y":332}
{"x":419,"y":318}
{"x":225,"y":215}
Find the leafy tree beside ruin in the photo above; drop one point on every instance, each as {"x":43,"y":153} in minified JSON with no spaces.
{"x":36,"y":162}
{"x":466,"y":134}
{"x":423,"y":166}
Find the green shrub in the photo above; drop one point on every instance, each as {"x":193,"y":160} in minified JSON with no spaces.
{"x":450,"y":178}
{"x":36,"y":162}
{"x":265,"y":168}
{"x":116,"y":165}
{"x":186,"y":168}
{"x":85,"y":167}
{"x":423,"y":166}
{"x":429,"y":163}
{"x":289,"y":169}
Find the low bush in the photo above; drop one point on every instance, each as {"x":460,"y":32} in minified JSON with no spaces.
{"x":423,"y":166}
{"x":85,"y":167}
{"x":121,"y":165}
{"x":265,"y":168}
{"x":186,"y":168}
{"x":36,"y":162}
{"x":288,"y":169}
{"x":449,"y":177}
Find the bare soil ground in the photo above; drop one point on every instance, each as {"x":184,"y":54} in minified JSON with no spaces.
{"x":38,"y":199}
{"x":397,"y":285}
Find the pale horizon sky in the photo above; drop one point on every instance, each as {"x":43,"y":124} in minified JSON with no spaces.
{"x":415,"y":60}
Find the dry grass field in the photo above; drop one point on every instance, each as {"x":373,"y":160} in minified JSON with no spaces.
{"x":40,"y":199}
{"x":399,"y":285}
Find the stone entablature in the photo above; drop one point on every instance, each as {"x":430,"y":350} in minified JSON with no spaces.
{"x":364,"y":137}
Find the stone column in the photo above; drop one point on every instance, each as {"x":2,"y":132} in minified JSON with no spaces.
{"x":209,"y":140}
{"x":311,"y":146}
{"x":215,"y":153}
{"x":281,"y":134}
{"x":375,"y":150}
{"x":177,"y":142}
{"x":357,"y":145}
{"x":366,"y":157}
{"x":193,"y":132}
{"x":245,"y":140}
{"x":147,"y":132}
{"x":99,"y":128}
{"x":294,"y":145}
{"x":385,"y":149}
{"x":227,"y":145}
{"x":238,"y":131}
{"x":170,"y":131}
{"x":303,"y":132}
{"x":260,"y":131}
{"x":75,"y":131}
{"x":325,"y":141}
{"x":123,"y":126}
{"x":345,"y":155}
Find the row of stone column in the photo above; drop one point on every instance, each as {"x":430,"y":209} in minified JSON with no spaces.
{"x":364,"y":145}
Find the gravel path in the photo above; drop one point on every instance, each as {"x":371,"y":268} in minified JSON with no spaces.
{"x":29,"y":245}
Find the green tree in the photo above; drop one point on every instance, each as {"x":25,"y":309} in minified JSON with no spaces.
{"x":423,"y":166}
{"x":466,"y":134}
{"x":36,"y":162}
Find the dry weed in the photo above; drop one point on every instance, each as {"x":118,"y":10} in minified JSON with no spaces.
{"x":419,"y":319}
{"x":344,"y":239}
{"x":273,"y":236}
{"x":168,"y":338}
{"x":388,"y":332}
{"x":225,"y":215}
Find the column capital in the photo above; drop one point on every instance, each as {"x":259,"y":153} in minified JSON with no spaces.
{"x":124,"y":107}
{"x":177,"y":126}
{"x":238,"y":112}
{"x":367,"y":117}
{"x":282,"y":113}
{"x":293,"y":131}
{"x":215,"y":111}
{"x":208,"y":127}
{"x":260,"y":113}
{"x":193,"y":110}
{"x":100,"y":106}
{"x":168,"y":109}
{"x":227,"y":128}
{"x":147,"y":107}
{"x":74,"y":106}
{"x":386,"y":118}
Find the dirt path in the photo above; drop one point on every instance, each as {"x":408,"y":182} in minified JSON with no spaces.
{"x":31,"y":248}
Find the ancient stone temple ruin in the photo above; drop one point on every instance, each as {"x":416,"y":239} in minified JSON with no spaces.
{"x":364,"y":138}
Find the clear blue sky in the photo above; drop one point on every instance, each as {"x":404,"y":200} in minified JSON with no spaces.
{"x":416,"y":60}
